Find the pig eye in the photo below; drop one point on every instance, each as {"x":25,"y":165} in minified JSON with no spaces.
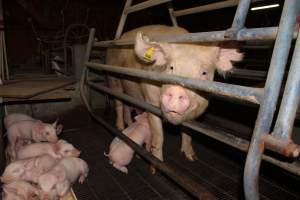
{"x":171,"y":67}
{"x":204,"y":73}
{"x":47,"y":133}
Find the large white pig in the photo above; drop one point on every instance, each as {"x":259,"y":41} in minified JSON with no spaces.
{"x":120,"y":154}
{"x":178,"y":104}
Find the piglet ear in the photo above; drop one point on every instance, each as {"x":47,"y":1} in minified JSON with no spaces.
{"x":60,"y":175}
{"x":29,"y":164}
{"x":151,"y":52}
{"x":59,"y":129}
{"x":54,"y":124}
{"x":226,"y":56}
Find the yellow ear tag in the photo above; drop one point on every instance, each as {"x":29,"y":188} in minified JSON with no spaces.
{"x":148,"y":55}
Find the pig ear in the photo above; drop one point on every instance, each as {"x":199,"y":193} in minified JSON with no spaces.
{"x":151,"y":52}
{"x":226,"y":56}
{"x":54,"y":124}
{"x":60,"y":175}
{"x":59,"y":129}
{"x":29,"y":164}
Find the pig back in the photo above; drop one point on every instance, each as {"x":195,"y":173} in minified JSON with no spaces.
{"x":14,"y":118}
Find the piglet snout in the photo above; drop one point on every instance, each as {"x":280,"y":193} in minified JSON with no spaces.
{"x":76,"y":152}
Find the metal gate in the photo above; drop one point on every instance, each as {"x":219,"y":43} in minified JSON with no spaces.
{"x":278,"y":139}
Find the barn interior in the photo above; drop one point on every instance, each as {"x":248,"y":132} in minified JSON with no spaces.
{"x":44,"y":46}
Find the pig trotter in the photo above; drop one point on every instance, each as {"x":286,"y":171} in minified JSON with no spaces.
{"x":187,"y":148}
{"x":152,"y":169}
{"x":121,"y":168}
{"x":81,"y":179}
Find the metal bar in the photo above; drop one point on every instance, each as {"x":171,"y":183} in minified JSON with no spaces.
{"x":123,"y":19}
{"x":268,"y":33}
{"x":144,"y":5}
{"x":228,"y":90}
{"x":213,"y":132}
{"x":172,"y":16}
{"x":209,"y":7}
{"x":239,"y":19}
{"x":193,"y":187}
{"x":285,"y":147}
{"x":290,"y":101}
{"x":89,"y":45}
{"x":272,"y":89}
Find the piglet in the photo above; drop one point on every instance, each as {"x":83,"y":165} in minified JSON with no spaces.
{"x":17,"y":117}
{"x":20,"y":190}
{"x":63,"y":175}
{"x":120,"y":154}
{"x":19,"y":145}
{"x":30,"y":130}
{"x":56,"y":150}
{"x":27,"y":169}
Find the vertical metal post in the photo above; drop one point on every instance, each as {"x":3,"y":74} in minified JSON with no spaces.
{"x":171,"y":13}
{"x":286,"y":117}
{"x":239,"y":18}
{"x":272,"y":88}
{"x":123,"y":19}
{"x":89,"y":47}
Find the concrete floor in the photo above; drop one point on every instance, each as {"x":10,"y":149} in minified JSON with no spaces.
{"x":219,"y":168}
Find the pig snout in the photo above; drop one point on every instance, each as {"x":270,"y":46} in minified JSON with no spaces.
{"x":175,"y":101}
{"x":76,"y":152}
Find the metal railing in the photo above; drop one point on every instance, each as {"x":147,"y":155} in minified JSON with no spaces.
{"x":267,"y":97}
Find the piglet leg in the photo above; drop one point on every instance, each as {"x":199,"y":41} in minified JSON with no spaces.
{"x":121,"y":168}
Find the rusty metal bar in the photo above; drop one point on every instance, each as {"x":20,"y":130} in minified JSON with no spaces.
{"x":123,"y":19}
{"x":268,"y":106}
{"x":290,"y":101}
{"x":193,"y":187}
{"x":268,"y":33}
{"x":285,"y":147}
{"x":249,"y":94}
{"x":144,"y":5}
{"x":209,"y":7}
{"x":212,"y":132}
{"x":239,"y":19}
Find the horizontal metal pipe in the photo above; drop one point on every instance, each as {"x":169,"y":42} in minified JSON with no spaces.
{"x":209,"y":7}
{"x":144,"y":5}
{"x":233,"y":91}
{"x":268,"y":33}
{"x":217,"y":134}
{"x":193,"y":187}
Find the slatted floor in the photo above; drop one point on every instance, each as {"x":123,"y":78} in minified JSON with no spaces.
{"x":219,"y":169}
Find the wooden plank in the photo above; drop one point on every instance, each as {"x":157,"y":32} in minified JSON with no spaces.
{"x":31,"y":88}
{"x":56,"y":95}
